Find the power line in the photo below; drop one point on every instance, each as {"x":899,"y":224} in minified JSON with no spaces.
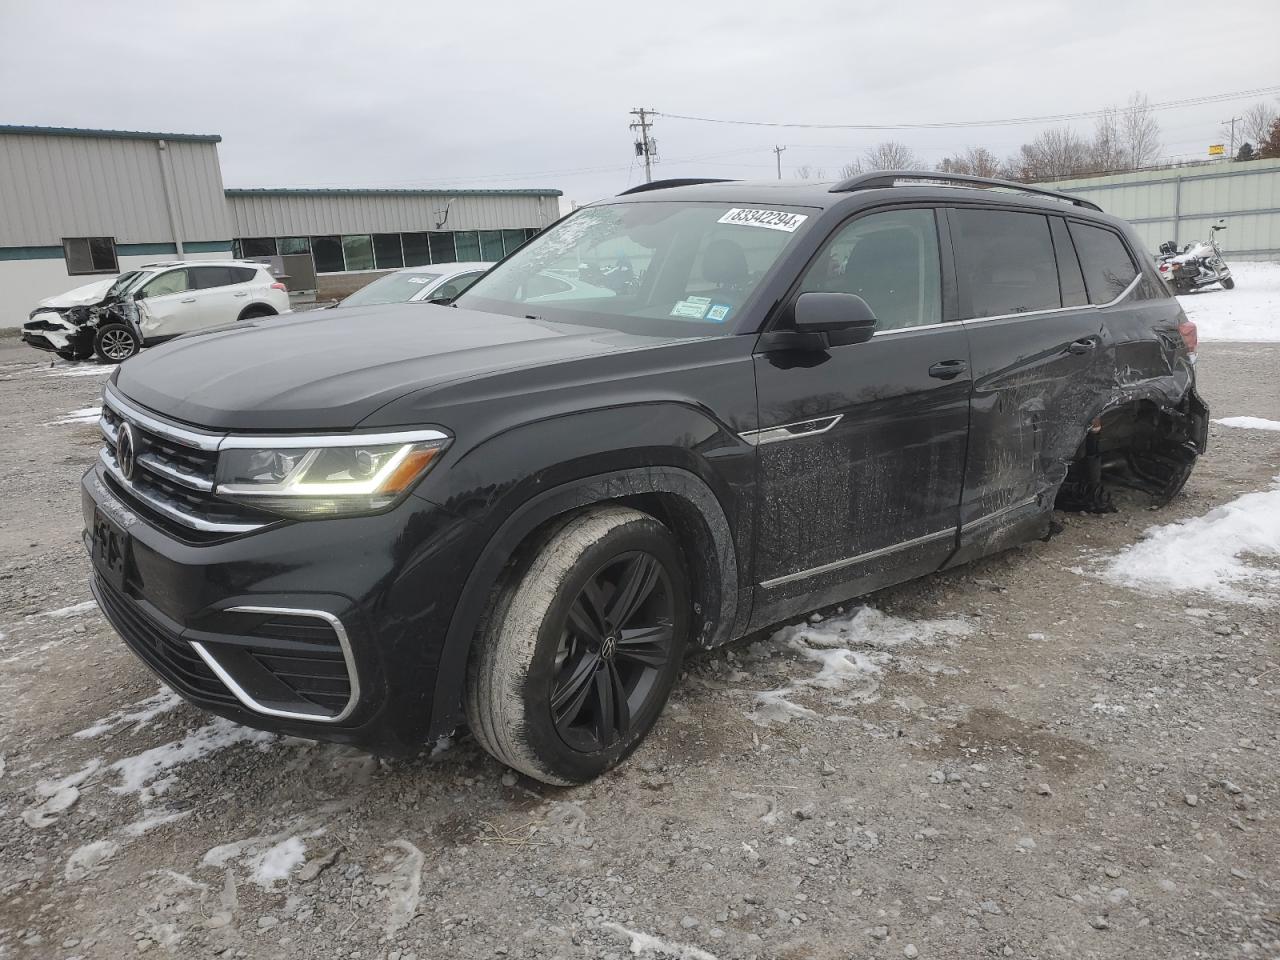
{"x":955,"y":124}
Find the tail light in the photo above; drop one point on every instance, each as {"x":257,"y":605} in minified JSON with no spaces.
{"x":279,"y":286}
{"x":1190,"y":336}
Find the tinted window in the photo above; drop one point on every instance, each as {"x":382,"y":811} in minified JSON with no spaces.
{"x":242,"y":274}
{"x":327,"y":253}
{"x":467,"y":243}
{"x":90,"y":255}
{"x":172,"y":281}
{"x":257,"y":247}
{"x":417,"y":252}
{"x":490,"y":245}
{"x":513,"y":240}
{"x":890,"y":260}
{"x":1069,"y":276}
{"x":442,"y":248}
{"x":1108,"y":268}
{"x":1005,"y":261}
{"x":358,"y":252}
{"x":386,"y":251}
{"x":290,"y":245}
{"x":202,"y":278}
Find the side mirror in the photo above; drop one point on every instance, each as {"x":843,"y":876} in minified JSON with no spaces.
{"x":846,"y":313}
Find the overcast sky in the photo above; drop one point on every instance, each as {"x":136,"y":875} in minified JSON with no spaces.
{"x":503,"y":94}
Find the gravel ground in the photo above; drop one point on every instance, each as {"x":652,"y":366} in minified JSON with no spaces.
{"x":1014,"y":759}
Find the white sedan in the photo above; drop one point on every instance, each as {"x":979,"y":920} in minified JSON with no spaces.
{"x":438,"y":282}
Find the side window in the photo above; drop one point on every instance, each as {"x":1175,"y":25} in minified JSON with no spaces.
{"x":173,"y":281}
{"x":1005,"y":262}
{"x":242,"y":274}
{"x":204,"y":278}
{"x":888,"y":259}
{"x":467,"y":279}
{"x":1108,"y":268}
{"x":1069,"y":276}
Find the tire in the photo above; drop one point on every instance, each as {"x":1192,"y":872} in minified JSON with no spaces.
{"x":253,"y":313}
{"x":1228,"y":283}
{"x":115,"y":343}
{"x":543,"y":680}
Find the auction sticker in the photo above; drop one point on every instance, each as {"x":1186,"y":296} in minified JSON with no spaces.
{"x":769,"y":219}
{"x":691,"y":308}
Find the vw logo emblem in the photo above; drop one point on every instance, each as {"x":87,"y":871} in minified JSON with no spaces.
{"x":126,"y":455}
{"x":609,"y":647}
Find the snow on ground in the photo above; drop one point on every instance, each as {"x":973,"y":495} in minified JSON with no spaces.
{"x":1249,"y":423}
{"x":853,"y":673}
{"x":1250,"y":312}
{"x":80,"y":369}
{"x":139,"y":715}
{"x":1209,"y":554}
{"x":139,"y":773}
{"x":72,"y":611}
{"x":278,"y":861}
{"x":647,"y":944}
{"x":82,"y":415}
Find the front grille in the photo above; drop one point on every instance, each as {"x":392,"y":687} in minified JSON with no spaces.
{"x":159,"y":647}
{"x":173,"y":474}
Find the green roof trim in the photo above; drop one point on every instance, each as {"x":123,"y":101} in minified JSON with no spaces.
{"x":108,"y":134}
{"x":377,"y":191}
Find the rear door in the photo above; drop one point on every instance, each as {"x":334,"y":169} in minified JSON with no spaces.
{"x":1040,"y":355}
{"x":221,"y":293}
{"x":861,"y":447}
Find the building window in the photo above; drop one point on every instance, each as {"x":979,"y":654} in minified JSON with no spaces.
{"x":327,"y":253}
{"x":357,"y":250}
{"x":386,"y":251}
{"x":467,"y":243}
{"x":417,"y":250}
{"x":257,"y":247}
{"x":90,"y":255}
{"x":442,"y":248}
{"x":288,"y":245}
{"x":490,"y":245}
{"x":513,"y":240}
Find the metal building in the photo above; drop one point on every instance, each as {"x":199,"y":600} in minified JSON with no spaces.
{"x":1181,"y":204}
{"x":81,"y":205}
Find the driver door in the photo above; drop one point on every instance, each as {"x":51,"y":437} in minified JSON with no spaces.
{"x":862,"y":445}
{"x":166,"y":306}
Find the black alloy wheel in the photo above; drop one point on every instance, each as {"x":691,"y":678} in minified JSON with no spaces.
{"x":617,"y":637}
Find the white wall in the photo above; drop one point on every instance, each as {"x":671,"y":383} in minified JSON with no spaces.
{"x":23,"y":283}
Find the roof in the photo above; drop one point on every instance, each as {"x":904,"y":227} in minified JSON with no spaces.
{"x":378,"y":192}
{"x":107,"y":134}
{"x":461,"y":266}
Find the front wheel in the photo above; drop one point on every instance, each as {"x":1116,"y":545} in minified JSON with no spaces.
{"x":579,"y":653}
{"x":1228,"y":283}
{"x":115,"y":343}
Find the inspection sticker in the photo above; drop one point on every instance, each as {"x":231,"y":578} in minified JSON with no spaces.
{"x":691,"y":308}
{"x":718,"y":312}
{"x":769,"y":219}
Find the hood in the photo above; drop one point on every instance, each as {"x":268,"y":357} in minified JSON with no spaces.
{"x":329,"y":369}
{"x":90,"y":293}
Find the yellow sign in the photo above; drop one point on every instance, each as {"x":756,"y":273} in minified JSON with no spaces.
{"x":1217,"y":149}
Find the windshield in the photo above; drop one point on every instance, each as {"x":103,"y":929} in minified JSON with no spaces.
{"x":393,"y":288}
{"x":660,"y":268}
{"x":123,"y":283}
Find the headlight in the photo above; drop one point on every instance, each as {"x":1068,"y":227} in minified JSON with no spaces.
{"x":310,"y":478}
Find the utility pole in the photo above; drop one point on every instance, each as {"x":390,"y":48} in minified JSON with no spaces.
{"x":1232,"y":121}
{"x":646,"y":146}
{"x":777,"y":151}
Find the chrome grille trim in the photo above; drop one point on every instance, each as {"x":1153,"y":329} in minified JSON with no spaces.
{"x":190,"y":480}
{"x":166,"y":507}
{"x":186,"y":437}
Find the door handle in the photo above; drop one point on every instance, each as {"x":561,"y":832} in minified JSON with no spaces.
{"x":948,"y":369}
{"x":243,"y":293}
{"x":187,"y":300}
{"x":1083,"y":345}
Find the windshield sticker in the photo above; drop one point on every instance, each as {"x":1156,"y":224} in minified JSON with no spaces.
{"x":419,"y":279}
{"x":718,"y":312}
{"x":691,"y":308}
{"x":769,"y":219}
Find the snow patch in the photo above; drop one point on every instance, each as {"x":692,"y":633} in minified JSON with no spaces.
{"x":72,"y":611}
{"x":1249,"y":423}
{"x":83,"y":415}
{"x":1207,"y":554}
{"x":646,"y":943}
{"x":58,"y":796}
{"x":88,"y":858}
{"x":81,"y":370}
{"x":1250,"y":312}
{"x":138,"y":772}
{"x":278,"y":861}
{"x":854,"y":673}
{"x":403,"y":884}
{"x":139,"y":715}
{"x":147,"y":824}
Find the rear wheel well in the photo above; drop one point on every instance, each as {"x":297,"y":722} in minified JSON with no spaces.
{"x":255,"y":310}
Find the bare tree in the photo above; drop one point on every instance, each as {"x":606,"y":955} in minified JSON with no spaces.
{"x":1055,"y":154}
{"x":974,"y":162}
{"x":806,"y":172}
{"x":1140,"y":131}
{"x":851,"y":169}
{"x":1255,"y":125}
{"x":1107,"y":151}
{"x":890,"y":155}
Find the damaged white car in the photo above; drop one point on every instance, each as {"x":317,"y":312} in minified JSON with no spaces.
{"x":114,"y":319}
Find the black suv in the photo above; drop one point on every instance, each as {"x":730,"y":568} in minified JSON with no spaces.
{"x":672,"y":419}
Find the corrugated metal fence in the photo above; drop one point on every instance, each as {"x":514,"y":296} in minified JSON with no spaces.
{"x":1182,"y":203}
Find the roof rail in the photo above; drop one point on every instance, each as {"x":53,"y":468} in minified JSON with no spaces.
{"x":892,"y":178}
{"x":676,"y":182}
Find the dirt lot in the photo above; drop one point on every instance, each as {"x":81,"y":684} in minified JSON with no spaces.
{"x":1016,"y":759}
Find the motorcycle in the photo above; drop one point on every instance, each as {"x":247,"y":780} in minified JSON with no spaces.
{"x":1199,"y":264}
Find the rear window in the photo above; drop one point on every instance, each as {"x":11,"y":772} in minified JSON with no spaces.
{"x":202,"y":278}
{"x":1006,"y":263}
{"x":1104,"y":258}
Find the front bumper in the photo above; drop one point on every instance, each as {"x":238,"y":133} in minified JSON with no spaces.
{"x":329,"y":630}
{"x":47,"y":330}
